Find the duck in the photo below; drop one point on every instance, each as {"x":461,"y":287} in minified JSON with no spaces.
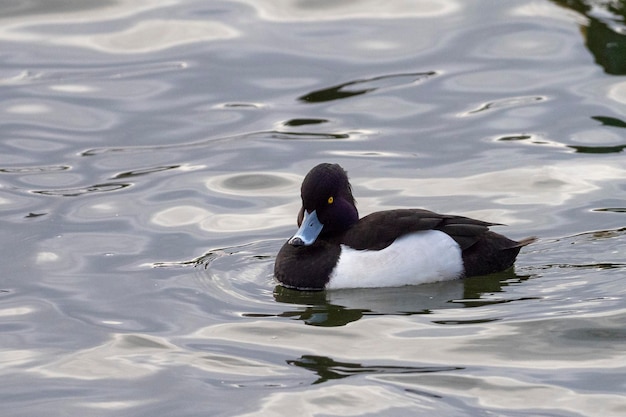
{"x":333,"y":248}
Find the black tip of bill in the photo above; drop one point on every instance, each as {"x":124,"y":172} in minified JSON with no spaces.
{"x":296,"y":241}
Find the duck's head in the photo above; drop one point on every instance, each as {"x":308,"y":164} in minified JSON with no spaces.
{"x":328,"y":206}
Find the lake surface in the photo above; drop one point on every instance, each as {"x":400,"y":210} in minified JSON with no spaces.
{"x":150,"y":165}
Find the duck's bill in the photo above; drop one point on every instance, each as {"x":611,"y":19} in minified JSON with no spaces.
{"x":309,"y":230}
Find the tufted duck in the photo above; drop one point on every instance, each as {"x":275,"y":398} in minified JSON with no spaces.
{"x":333,"y":248}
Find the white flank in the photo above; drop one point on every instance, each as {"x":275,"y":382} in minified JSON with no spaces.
{"x":417,"y":258}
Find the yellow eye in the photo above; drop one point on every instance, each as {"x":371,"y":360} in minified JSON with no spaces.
{"x":330,"y":200}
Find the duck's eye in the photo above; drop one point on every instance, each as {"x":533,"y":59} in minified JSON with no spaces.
{"x":330,"y":200}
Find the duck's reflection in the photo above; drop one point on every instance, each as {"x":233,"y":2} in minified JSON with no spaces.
{"x":340,"y":307}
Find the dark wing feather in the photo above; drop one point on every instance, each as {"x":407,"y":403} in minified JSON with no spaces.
{"x":378,"y":230}
{"x":465,"y":231}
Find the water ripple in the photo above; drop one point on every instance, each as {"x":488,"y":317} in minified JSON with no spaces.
{"x":144,"y":171}
{"x":35,"y":169}
{"x":292,"y":10}
{"x":274,"y":134}
{"x":115,"y":72}
{"x":505,"y":103}
{"x":78,"y":191}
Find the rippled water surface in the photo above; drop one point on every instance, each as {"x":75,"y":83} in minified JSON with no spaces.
{"x":150,"y":164}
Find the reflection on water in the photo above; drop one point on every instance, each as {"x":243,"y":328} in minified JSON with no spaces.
{"x":599,"y":149}
{"x":54,"y":23}
{"x":340,"y":307}
{"x":551,"y":185}
{"x":356,"y":88}
{"x":610,"y":121}
{"x":328,"y":369}
{"x":606,"y":121}
{"x":298,"y":11}
{"x":604,"y":31}
{"x":44,"y":7}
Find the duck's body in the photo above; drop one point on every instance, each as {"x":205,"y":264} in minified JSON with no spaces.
{"x":334,"y":249}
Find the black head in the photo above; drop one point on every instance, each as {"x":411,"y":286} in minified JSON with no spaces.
{"x":327,"y":191}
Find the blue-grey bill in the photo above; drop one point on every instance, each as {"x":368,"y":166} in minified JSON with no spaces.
{"x":309,"y":230}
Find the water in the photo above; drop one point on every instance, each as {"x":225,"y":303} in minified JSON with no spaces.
{"x":150,"y":164}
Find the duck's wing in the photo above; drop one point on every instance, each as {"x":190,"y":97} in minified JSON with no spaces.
{"x":378,"y":230}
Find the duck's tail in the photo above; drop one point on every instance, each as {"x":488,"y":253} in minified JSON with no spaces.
{"x":492,"y":253}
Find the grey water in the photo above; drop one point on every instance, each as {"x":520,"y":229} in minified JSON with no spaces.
{"x":151,"y":155}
